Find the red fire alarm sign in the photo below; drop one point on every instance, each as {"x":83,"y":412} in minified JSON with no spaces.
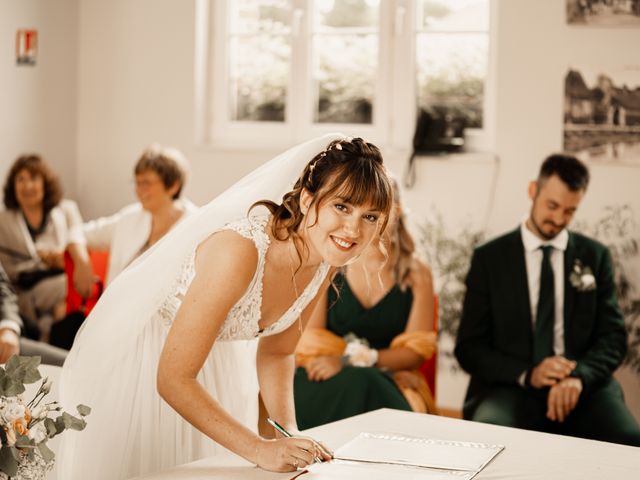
{"x":26,"y":47}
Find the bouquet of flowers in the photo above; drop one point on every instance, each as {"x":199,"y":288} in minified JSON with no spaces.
{"x":27,"y":425}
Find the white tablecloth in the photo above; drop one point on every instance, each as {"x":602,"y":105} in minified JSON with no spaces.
{"x":527,"y":455}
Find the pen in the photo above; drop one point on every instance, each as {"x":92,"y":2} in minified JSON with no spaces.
{"x":282,"y":430}
{"x":279,"y":428}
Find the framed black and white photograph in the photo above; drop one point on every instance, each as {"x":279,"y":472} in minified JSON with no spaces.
{"x":604,"y":13}
{"x":602,"y":114}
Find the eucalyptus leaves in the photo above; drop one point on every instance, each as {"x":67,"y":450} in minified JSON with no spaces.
{"x":27,"y":425}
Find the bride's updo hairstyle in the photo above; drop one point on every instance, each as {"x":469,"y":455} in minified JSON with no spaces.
{"x":349,"y":168}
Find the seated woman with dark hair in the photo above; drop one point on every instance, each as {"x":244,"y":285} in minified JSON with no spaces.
{"x":36,"y":228}
{"x":362,"y":352}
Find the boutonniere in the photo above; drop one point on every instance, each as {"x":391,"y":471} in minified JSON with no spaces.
{"x":581,"y":277}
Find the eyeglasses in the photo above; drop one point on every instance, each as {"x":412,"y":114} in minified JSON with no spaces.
{"x":145,"y":183}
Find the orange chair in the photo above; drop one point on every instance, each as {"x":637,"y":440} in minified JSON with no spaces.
{"x":429,"y":368}
{"x":100,"y":262}
{"x":63,"y":332}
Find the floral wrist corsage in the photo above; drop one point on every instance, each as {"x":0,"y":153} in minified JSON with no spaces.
{"x":358,"y":353}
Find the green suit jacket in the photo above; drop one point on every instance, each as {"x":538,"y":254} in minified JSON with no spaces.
{"x":495,"y":339}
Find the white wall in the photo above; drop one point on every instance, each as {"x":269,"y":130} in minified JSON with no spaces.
{"x":38,"y":103}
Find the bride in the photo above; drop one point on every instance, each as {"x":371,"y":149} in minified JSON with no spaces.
{"x":168,"y":358}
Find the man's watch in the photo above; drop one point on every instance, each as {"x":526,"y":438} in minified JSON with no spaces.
{"x":575,"y":374}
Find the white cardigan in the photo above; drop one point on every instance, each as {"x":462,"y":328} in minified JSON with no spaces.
{"x":124,"y":234}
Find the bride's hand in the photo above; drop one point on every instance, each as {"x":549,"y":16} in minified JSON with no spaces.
{"x":321,"y":453}
{"x":288,"y":454}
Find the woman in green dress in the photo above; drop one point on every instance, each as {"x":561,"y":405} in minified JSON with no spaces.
{"x":363,"y":351}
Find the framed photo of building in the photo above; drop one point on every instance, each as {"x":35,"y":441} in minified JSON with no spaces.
{"x":604,"y":13}
{"x":602,"y":114}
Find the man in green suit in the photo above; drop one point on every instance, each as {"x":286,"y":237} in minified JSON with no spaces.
{"x":541,"y":331}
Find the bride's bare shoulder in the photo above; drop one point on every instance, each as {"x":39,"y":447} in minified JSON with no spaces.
{"x":229,"y":251}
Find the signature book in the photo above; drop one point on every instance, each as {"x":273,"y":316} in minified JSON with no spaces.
{"x":370,"y":456}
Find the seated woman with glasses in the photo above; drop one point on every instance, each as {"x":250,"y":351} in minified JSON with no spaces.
{"x":160,"y":176}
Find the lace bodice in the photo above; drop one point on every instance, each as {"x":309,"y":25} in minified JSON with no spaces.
{"x":242,"y":321}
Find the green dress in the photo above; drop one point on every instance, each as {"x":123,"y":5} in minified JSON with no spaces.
{"x":354,"y":390}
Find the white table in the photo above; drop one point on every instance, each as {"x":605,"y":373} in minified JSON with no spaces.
{"x":527,"y":455}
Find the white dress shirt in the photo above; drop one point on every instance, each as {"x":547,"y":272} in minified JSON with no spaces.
{"x":533,"y":258}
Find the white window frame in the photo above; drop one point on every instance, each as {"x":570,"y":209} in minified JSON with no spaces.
{"x":395,"y":100}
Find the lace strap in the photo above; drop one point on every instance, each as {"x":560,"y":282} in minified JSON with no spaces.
{"x":252,"y":228}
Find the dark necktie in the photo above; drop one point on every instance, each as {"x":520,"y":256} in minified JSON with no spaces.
{"x":543,"y":338}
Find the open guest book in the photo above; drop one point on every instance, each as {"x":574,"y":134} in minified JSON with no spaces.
{"x":373,"y":456}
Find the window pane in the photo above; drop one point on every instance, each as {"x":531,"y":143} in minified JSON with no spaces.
{"x":253,"y":16}
{"x":453,"y":15}
{"x":329,"y":14}
{"x":344,"y":78}
{"x":259,"y":71}
{"x":451,"y":73}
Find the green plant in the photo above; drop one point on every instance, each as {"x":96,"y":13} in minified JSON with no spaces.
{"x":618,"y":230}
{"x":448,"y":254}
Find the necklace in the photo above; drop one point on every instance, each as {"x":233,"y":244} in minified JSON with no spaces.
{"x":295,"y":285}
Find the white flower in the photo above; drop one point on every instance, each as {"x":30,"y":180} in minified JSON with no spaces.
{"x":588,"y":281}
{"x":46,"y":386}
{"x":38,"y":433}
{"x":359,"y":354}
{"x":40,"y":412}
{"x":11,"y":436}
{"x":582,"y":278}
{"x":13,"y":411}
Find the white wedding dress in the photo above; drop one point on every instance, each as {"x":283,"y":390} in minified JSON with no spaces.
{"x":131,"y":430}
{"x":112,"y":365}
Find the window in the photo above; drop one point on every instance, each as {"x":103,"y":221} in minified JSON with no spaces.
{"x":286,"y":70}
{"x":452,"y":46}
{"x":259,"y":60}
